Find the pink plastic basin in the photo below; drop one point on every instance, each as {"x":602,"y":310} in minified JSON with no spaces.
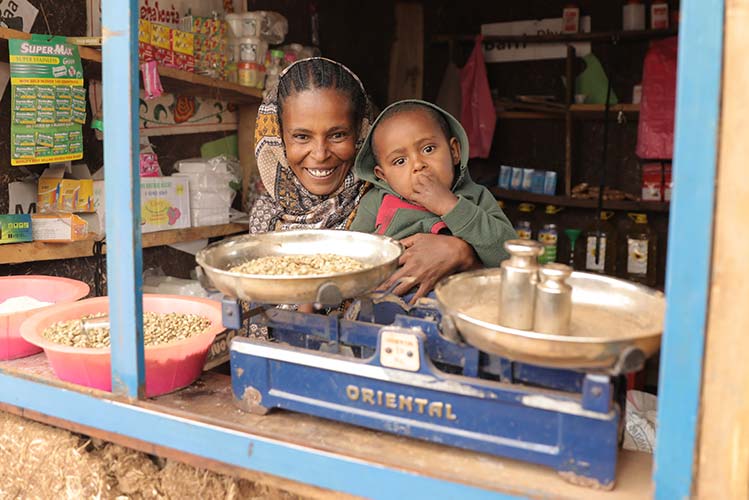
{"x":42,"y":288}
{"x":168,"y":366}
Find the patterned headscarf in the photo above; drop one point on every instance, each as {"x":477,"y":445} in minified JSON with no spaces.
{"x":287,"y":204}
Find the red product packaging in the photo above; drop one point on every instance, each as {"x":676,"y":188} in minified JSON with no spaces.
{"x":656,"y":182}
{"x":571,"y":19}
{"x":667,"y":183}
{"x":651,"y":182}
{"x":184,"y":62}
{"x":145,"y":52}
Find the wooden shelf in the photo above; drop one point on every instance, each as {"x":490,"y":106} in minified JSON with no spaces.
{"x":579,"y":111}
{"x":603,"y":36}
{"x":566,"y":201}
{"x":175,"y":81}
{"x":17,"y":253}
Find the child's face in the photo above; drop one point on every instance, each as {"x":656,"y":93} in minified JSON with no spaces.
{"x":410,"y":144}
{"x":320,"y":138}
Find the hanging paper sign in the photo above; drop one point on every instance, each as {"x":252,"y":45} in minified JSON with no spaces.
{"x":522,"y":51}
{"x":48,"y":104}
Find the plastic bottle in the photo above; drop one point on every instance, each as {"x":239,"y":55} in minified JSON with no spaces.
{"x":548,"y":236}
{"x":633,"y":16}
{"x":274,"y":68}
{"x":600,"y":239}
{"x":524,"y":224}
{"x":638,"y":250}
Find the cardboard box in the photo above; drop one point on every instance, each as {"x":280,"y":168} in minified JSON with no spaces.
{"x":656,"y":183}
{"x":219,"y":352}
{"x":144,"y":31}
{"x":183,"y":42}
{"x":62,"y":191}
{"x":58,"y":228}
{"x":161,"y":36}
{"x":164,"y":203}
{"x":184,"y":62}
{"x":145,"y":52}
{"x":15,"y":228}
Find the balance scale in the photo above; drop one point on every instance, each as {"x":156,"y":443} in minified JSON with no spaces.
{"x":442,"y":370}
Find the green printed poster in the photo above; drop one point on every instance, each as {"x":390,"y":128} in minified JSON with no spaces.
{"x":48,"y":104}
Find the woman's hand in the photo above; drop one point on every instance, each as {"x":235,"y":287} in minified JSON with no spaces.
{"x":427,"y":259}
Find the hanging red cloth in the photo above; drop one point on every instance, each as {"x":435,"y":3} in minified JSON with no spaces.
{"x":477,"y":113}
{"x":655,"y":133}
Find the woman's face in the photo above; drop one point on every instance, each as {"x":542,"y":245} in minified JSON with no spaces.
{"x":320,"y":138}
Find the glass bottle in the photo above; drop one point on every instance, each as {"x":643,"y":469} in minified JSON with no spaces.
{"x":524,"y":224}
{"x":638,"y":250}
{"x":548,"y":236}
{"x":599,"y":246}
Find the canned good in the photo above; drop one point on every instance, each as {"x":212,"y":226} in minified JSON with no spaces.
{"x":248,"y":74}
{"x":231,"y":73}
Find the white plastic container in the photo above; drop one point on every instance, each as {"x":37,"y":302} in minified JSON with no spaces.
{"x":633,"y":16}
{"x":252,"y":49}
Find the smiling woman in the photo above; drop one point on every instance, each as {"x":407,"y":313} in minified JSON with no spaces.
{"x":308,"y":132}
{"x":307,"y":135}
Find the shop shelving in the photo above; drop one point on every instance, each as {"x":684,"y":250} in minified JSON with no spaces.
{"x":16,"y":253}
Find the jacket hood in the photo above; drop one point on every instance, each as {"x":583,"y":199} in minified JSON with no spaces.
{"x":365,"y":160}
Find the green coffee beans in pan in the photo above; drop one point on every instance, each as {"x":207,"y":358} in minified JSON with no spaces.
{"x":157,"y":329}
{"x":299,"y":265}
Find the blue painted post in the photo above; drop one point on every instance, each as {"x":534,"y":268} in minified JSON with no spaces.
{"x":689,"y":244}
{"x":122,"y":184}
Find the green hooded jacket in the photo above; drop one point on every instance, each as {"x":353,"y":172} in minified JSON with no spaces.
{"x":476,"y":218}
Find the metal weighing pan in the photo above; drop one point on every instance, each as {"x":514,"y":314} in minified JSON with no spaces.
{"x":611,"y":319}
{"x":379,"y":254}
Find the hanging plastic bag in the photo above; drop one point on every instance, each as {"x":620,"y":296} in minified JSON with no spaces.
{"x":477,"y":114}
{"x":655,"y":133}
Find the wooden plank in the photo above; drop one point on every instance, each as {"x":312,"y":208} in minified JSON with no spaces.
{"x":407,"y":53}
{"x":566,"y":201}
{"x":601,"y":36}
{"x":527,"y":115}
{"x":16,"y":253}
{"x":210,"y":400}
{"x":182,"y":130}
{"x":246,"y":146}
{"x":723,"y":452}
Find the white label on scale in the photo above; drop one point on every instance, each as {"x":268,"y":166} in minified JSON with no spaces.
{"x":637,"y":256}
{"x":590,"y":254}
{"x":399,"y":350}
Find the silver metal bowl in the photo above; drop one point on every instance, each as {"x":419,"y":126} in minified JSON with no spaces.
{"x":610,"y":318}
{"x":379,"y":254}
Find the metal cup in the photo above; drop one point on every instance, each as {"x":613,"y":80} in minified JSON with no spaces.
{"x":518,"y":285}
{"x":553,"y":308}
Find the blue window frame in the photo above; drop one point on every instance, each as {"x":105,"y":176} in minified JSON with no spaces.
{"x":690,"y":236}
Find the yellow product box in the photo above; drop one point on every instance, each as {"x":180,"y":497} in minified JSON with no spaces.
{"x":144,"y":31}
{"x":58,"y":228}
{"x":164,"y":203}
{"x":183,"y":42}
{"x":60,"y":191}
{"x":161,"y":36}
